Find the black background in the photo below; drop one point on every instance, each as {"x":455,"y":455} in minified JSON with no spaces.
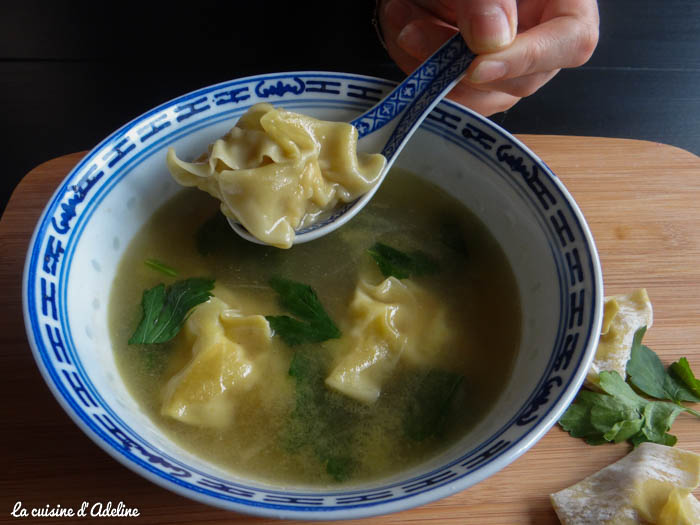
{"x":71,"y":72}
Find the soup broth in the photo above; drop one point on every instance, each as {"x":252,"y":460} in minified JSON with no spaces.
{"x":291,"y":427}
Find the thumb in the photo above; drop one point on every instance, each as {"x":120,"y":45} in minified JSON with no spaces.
{"x":487,"y":25}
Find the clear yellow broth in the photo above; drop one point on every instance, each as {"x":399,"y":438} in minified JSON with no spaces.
{"x":266,"y":441}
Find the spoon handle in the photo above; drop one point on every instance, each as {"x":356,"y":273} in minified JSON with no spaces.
{"x":416,"y":96}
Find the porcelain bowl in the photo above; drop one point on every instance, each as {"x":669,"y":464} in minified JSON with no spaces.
{"x":88,"y":223}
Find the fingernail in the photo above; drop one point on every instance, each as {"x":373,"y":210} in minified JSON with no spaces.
{"x":490,"y":29}
{"x":412,"y":40}
{"x":488,"y":71}
{"x":398,"y":13}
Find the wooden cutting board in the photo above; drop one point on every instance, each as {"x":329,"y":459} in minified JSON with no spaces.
{"x":642,"y":201}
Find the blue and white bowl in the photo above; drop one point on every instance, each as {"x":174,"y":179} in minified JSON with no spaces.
{"x":108,"y":196}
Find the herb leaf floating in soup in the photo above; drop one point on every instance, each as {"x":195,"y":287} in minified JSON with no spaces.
{"x":165,"y":309}
{"x":213,"y":235}
{"x":393,"y":262}
{"x":301,"y":300}
{"x":427,"y":415}
{"x":320,"y":420}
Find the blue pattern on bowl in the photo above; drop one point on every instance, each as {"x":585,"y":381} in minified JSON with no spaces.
{"x":60,"y":229}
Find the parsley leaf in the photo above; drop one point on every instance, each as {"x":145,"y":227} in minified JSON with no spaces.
{"x":213,"y":235}
{"x":681,"y":370}
{"x":611,"y":383}
{"x":647,"y":373}
{"x":620,"y":414}
{"x":577,"y":419}
{"x":320,"y":420}
{"x":401,"y":265}
{"x":314,"y":324}
{"x":451,"y":234}
{"x":658,"y":418}
{"x":427,"y":412}
{"x":165,"y":309}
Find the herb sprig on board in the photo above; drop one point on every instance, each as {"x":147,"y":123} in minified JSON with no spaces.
{"x":311,"y":325}
{"x":621,"y":414}
{"x":646,"y":372}
{"x":165,"y":309}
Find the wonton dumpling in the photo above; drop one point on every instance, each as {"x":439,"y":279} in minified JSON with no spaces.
{"x":276,"y":171}
{"x":387,"y":322}
{"x":226,"y":349}
{"x":622,"y":317}
{"x":651,"y":485}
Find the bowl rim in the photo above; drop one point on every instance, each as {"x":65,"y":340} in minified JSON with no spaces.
{"x":441,"y":490}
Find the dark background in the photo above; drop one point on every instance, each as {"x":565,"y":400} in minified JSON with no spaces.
{"x":71,"y":72}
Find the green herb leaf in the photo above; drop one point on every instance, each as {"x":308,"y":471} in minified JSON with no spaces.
{"x":667,"y":439}
{"x":393,"y":262}
{"x":623,"y":430}
{"x":161,"y":267}
{"x":165,"y":309}
{"x":427,"y":413}
{"x":601,"y":418}
{"x":214,"y":234}
{"x":620,"y":414}
{"x":577,"y":418}
{"x":451,"y":234}
{"x":314,"y":324}
{"x":611,"y":383}
{"x":658,"y":418}
{"x":647,"y":373}
{"x":681,"y":370}
{"x":320,"y":420}
{"x":645,"y":369}
{"x":610,"y":417}
{"x":340,"y":467}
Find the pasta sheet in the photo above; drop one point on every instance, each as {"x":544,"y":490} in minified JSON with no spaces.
{"x":277,"y":171}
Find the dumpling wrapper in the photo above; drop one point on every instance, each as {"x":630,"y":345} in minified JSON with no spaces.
{"x":226,"y":350}
{"x":653,"y":484}
{"x":277,"y":171}
{"x":395,"y":319}
{"x":622,"y":317}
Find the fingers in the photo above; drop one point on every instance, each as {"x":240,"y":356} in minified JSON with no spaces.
{"x":422,"y":37}
{"x":487,"y":25}
{"x":412,"y":33}
{"x":518,"y":87}
{"x":554,"y":34}
{"x":562,"y":41}
{"x":443,"y":9}
{"x":484,"y":102}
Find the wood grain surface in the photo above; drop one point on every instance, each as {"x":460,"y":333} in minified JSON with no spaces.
{"x":642,"y":202}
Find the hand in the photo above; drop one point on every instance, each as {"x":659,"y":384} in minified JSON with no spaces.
{"x":521,"y":44}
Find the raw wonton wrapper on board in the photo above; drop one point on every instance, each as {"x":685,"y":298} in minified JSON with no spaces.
{"x":622,"y":317}
{"x":653,"y":484}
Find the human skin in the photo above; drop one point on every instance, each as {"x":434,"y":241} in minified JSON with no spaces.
{"x":521,"y":45}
